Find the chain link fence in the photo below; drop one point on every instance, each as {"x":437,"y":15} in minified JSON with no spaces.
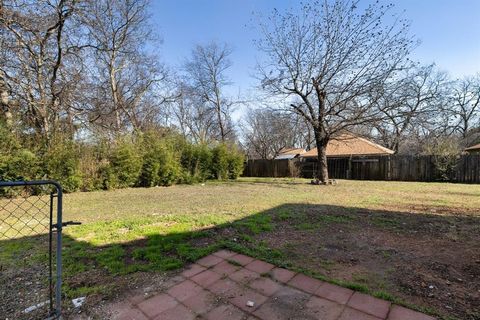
{"x":30,"y":249}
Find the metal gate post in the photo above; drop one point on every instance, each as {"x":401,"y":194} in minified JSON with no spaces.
{"x":58,"y":287}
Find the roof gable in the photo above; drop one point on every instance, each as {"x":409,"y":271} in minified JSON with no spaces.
{"x":349,"y":144}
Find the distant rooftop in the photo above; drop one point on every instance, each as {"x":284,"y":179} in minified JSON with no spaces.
{"x":347,"y":145}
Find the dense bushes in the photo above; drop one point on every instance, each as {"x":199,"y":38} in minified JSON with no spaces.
{"x":143,"y":160}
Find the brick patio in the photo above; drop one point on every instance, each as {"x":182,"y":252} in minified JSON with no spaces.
{"x":220,"y":285}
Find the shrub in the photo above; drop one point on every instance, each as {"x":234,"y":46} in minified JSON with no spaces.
{"x":160,"y":164}
{"x":22,"y":165}
{"x":196,"y":161}
{"x":219,"y":165}
{"x":445,"y":153}
{"x":62,"y":164}
{"x":125,"y":166}
{"x":93,"y":167}
{"x":236,"y":161}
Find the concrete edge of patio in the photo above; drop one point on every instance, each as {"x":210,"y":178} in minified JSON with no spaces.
{"x":220,"y":285}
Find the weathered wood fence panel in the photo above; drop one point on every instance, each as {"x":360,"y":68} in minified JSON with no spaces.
{"x":463,"y":169}
{"x":271,"y":168}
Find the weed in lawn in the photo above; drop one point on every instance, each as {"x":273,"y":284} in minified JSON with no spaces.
{"x":384,"y":222}
{"x":255,"y":224}
{"x":284,"y":215}
{"x":112,"y":259}
{"x":383,"y":295}
{"x":307,"y":226}
{"x":85,"y":290}
{"x":327,"y":264}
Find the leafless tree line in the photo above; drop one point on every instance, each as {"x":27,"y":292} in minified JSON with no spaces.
{"x":75,"y":68}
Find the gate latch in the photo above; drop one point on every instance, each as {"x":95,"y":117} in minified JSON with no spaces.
{"x":66,"y":224}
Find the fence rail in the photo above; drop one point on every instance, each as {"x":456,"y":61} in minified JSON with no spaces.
{"x":462,"y":169}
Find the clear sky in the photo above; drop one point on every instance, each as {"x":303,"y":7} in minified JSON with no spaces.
{"x":449,"y":31}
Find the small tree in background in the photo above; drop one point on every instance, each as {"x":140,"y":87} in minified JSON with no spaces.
{"x":445,"y":152}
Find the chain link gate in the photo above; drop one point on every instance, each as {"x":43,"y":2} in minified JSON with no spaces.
{"x":30,"y":249}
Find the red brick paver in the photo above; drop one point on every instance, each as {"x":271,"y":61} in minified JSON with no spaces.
{"x":368,"y":304}
{"x":209,"y":261}
{"x":201,"y":303}
{"x":213,"y":288}
{"x":157,"y":304}
{"x":206,"y":278}
{"x":130,"y":314}
{"x":184,"y":290}
{"x":324,"y":309}
{"x":334,"y":293}
{"x":352,"y":314}
{"x":259,"y":266}
{"x":225,"y":268}
{"x":265,"y":286}
{"x":245,"y":295}
{"x":401,"y":313}
{"x":244,"y":275}
{"x":305,"y":283}
{"x":282,"y":275}
{"x":226,"y":311}
{"x":193,"y":270}
{"x":224,"y":254}
{"x":176,"y":313}
{"x":241,"y":259}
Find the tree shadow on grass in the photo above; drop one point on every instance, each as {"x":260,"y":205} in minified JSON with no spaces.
{"x":397,"y":256}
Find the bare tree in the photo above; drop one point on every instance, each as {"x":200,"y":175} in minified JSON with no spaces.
{"x":327,"y":59}
{"x":35,"y":46}
{"x":194,"y":118}
{"x":206,"y":70}
{"x":465,"y":105}
{"x":266,"y":132}
{"x":411,"y":101}
{"x":127,"y":79}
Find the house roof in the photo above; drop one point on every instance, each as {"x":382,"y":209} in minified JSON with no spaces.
{"x":348,"y":144}
{"x":474,"y":147}
{"x":289,"y":153}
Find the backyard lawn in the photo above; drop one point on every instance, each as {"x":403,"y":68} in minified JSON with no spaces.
{"x":414,"y":243}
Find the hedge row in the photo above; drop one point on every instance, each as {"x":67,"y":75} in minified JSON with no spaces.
{"x":143,"y":160}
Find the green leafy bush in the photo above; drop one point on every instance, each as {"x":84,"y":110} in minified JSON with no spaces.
{"x":125,"y":165}
{"x":227,"y":162}
{"x":62,"y":164}
{"x":160,"y":164}
{"x":236,"y":161}
{"x":196,"y":162}
{"x":153,"y":158}
{"x":219,"y":165}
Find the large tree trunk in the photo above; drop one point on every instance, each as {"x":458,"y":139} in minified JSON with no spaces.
{"x":322,"y":142}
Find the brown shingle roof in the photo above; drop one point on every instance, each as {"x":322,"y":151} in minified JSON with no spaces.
{"x":291,"y":151}
{"x":349,"y":144}
{"x":475,"y":147}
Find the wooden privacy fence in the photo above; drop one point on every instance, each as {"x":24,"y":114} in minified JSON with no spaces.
{"x":464,"y":169}
{"x":271,"y":168}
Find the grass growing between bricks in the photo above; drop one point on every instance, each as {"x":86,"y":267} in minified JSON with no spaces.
{"x":287,"y":222}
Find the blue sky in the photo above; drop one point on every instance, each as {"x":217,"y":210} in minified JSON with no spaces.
{"x":449,"y":31}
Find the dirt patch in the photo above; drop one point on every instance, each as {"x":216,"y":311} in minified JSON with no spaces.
{"x":426,"y":260}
